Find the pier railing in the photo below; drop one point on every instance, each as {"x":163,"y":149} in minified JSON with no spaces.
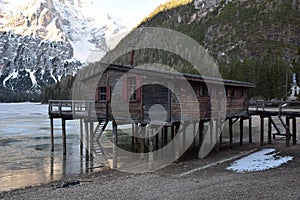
{"x":71,"y":109}
{"x":262,"y":104}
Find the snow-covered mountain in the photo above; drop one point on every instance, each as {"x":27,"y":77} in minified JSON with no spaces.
{"x":44,"y":40}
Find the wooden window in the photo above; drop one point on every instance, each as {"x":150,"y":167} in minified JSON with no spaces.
{"x":232,"y":92}
{"x":203,"y":91}
{"x":132,"y":88}
{"x":102,"y":94}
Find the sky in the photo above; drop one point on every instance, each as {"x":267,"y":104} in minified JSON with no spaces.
{"x":130,"y":10}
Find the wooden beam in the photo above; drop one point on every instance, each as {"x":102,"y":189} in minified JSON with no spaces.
{"x":52,"y":134}
{"x":64,"y":137}
{"x":269,"y":130}
{"x":201,"y":130}
{"x":91,"y":140}
{"x":136,"y":138}
{"x":194,"y":135}
{"x":294,"y":131}
{"x":165,"y":135}
{"x":132,"y":137}
{"x":261,"y":130}
{"x":211,"y":130}
{"x":250,"y":129}
{"x":87,"y":157}
{"x":288,"y":135}
{"x":241,"y":131}
{"x":151,"y":136}
{"x":218,"y":125}
{"x":81,"y":137}
{"x":185,"y":125}
{"x":115,"y":143}
{"x":230,"y":132}
{"x":143,"y":134}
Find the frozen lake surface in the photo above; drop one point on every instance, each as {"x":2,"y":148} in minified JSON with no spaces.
{"x":26,"y":158}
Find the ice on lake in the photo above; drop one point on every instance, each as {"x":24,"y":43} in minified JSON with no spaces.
{"x":25,"y":151}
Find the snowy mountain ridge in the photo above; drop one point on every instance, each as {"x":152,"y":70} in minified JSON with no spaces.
{"x":44,"y":40}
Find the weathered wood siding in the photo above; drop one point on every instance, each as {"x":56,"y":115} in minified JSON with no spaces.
{"x":154,"y":94}
{"x":178,"y":104}
{"x":123,"y":108}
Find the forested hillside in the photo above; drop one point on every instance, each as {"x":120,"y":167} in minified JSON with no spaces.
{"x":255,"y":41}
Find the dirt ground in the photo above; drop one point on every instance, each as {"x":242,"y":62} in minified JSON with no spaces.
{"x":213,"y":181}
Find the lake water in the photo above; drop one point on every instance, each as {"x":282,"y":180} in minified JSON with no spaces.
{"x":25,"y":156}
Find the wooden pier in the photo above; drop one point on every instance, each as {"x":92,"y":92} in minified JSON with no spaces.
{"x":84,"y":112}
{"x":185,"y":104}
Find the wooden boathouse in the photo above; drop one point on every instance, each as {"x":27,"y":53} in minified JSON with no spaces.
{"x":164,"y":101}
{"x":127,"y":95}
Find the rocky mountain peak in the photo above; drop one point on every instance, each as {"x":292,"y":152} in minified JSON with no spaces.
{"x":42,"y":41}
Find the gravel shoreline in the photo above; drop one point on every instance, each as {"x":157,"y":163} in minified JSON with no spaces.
{"x":214,"y":182}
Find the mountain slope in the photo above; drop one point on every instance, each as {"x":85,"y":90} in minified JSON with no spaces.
{"x":42,"y":41}
{"x":256,"y":41}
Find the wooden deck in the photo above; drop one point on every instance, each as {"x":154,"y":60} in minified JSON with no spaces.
{"x":72,"y":109}
{"x":85,"y":112}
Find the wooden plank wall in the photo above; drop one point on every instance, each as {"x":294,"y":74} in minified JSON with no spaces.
{"x":237,"y":99}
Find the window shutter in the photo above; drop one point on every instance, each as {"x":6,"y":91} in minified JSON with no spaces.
{"x":108,"y":93}
{"x":138,"y":87}
{"x":97,"y":94}
{"x":125,"y":89}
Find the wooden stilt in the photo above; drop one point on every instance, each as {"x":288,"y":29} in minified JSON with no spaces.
{"x":91,"y":141}
{"x":261,"y":130}
{"x":81,"y":137}
{"x":156,"y":140}
{"x":162,"y":137}
{"x":288,"y":136}
{"x":269,"y":130}
{"x":115,"y":143}
{"x":230,"y":132}
{"x":143,"y":134}
{"x":217,"y":134}
{"x":185,"y":125}
{"x":241,"y":131}
{"x":132,"y":137}
{"x":64,"y":138}
{"x":165,"y":135}
{"x":173,"y":136}
{"x":177,"y":142}
{"x":151,"y":133}
{"x":87,"y":145}
{"x":64,"y":165}
{"x":136,"y":138}
{"x":221,"y":137}
{"x":52,"y":134}
{"x":172,"y":131}
{"x":51,"y":165}
{"x":250,"y":129}
{"x":294,"y":131}
{"x":194,"y":135}
{"x":201,"y":132}
{"x":211,"y":130}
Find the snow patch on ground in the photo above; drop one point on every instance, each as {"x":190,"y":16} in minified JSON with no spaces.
{"x":259,"y":161}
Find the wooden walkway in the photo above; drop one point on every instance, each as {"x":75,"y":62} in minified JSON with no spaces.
{"x":282,"y":120}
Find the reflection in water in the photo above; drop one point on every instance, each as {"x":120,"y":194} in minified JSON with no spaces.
{"x":25,"y":152}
